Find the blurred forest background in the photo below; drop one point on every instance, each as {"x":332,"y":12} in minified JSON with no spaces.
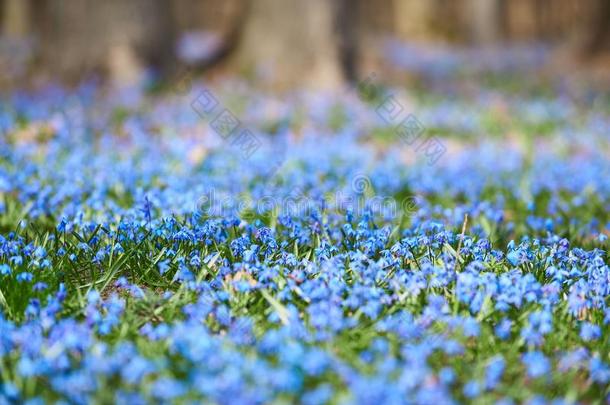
{"x":286,"y":43}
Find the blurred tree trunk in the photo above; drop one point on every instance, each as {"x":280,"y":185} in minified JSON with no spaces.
{"x":412,"y":18}
{"x":349,"y":27}
{"x":291,"y":42}
{"x":15,"y":18}
{"x":218,"y":23}
{"x":15,"y":40}
{"x":486,"y":21}
{"x":598,"y":40}
{"x":114,"y":37}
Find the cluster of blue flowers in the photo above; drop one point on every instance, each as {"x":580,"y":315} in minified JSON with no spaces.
{"x":118,"y":286}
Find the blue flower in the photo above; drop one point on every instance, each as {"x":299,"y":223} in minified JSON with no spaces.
{"x":5,"y":269}
{"x":167,"y":389}
{"x":494,"y":372}
{"x":599,"y":371}
{"x":536,"y":364}
{"x":514,"y":257}
{"x":503,"y":329}
{"x":163,"y":266}
{"x":25,"y":276}
{"x":472,"y":389}
{"x":589,"y":331}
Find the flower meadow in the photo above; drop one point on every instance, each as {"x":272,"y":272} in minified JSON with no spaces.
{"x":145,"y":258}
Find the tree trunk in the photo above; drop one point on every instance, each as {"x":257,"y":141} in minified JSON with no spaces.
{"x":15,"y":18}
{"x":485,"y":21}
{"x":114,"y":37}
{"x":598,"y":40}
{"x":291,"y":43}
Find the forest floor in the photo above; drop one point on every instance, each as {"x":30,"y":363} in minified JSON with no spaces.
{"x":440,"y":242}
